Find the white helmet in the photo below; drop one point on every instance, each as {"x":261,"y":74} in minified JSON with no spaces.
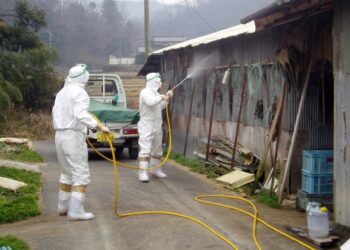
{"x":79,"y":74}
{"x":153,"y":80}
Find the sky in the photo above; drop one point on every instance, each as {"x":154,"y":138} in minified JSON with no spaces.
{"x":176,"y":1}
{"x":163,"y":1}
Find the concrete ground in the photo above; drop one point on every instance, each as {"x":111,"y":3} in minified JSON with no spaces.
{"x":106,"y":231}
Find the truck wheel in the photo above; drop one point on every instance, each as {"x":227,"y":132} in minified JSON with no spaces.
{"x":133,"y":153}
{"x":119,"y":152}
{"x":91,"y":154}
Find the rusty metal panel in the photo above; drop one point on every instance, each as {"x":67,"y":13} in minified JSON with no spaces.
{"x":255,"y":52}
{"x":342,"y":114}
{"x":320,"y":133}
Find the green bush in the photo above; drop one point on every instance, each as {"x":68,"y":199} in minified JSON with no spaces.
{"x":13,"y":243}
{"x":26,"y":64}
{"x":13,"y":92}
{"x":268,"y":198}
{"x":4,"y":100}
{"x":197,"y":166}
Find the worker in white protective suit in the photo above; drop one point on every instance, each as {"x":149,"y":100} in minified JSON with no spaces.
{"x":150,"y":131}
{"x":70,"y":120}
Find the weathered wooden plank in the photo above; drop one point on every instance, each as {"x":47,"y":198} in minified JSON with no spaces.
{"x":236,"y":179}
{"x":296,"y":127}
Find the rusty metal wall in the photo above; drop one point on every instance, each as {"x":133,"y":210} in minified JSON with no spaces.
{"x":341,"y":36}
{"x":244,"y":53}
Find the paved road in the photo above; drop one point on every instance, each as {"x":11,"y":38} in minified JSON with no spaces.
{"x":51,"y":231}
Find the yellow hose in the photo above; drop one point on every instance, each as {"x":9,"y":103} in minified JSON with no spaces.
{"x":198,"y":198}
{"x":113,"y":160}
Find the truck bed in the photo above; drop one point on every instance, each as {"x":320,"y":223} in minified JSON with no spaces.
{"x":108,"y":113}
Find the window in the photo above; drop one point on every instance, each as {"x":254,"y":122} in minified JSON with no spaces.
{"x":95,"y":88}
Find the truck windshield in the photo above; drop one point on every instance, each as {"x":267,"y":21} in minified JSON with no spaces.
{"x":95,"y":88}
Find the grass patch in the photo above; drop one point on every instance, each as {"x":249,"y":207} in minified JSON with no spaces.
{"x":13,"y":242}
{"x":268,"y":198}
{"x":19,"y":153}
{"x":15,"y":206}
{"x":21,"y":123}
{"x":195,"y":165}
{"x":246,"y":189}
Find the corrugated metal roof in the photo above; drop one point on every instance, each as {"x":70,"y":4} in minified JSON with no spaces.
{"x":271,"y":8}
{"x":284,"y":10}
{"x":212,"y":37}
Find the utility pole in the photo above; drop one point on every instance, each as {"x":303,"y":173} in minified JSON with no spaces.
{"x":50,"y":39}
{"x":50,"y":36}
{"x":147,"y":32}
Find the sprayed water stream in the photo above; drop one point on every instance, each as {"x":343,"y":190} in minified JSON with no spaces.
{"x":195,"y":69}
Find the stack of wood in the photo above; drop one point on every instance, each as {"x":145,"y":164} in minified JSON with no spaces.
{"x":132,"y":84}
{"x":220,"y":156}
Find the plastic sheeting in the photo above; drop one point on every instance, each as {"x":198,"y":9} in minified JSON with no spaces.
{"x":109,"y":113}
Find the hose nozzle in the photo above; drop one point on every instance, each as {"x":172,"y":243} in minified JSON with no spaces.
{"x":177,"y":85}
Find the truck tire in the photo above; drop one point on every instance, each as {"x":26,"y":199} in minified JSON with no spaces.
{"x":119,"y":152}
{"x":133,"y":153}
{"x":91,"y":154}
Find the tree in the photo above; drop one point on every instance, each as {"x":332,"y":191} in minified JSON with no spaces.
{"x":26,"y":65}
{"x":21,"y":35}
{"x":87,"y":33}
{"x":111,"y":13}
{"x":29,"y":18}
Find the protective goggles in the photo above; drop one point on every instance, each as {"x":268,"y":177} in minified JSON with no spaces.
{"x":84,"y":66}
{"x":156,"y":75}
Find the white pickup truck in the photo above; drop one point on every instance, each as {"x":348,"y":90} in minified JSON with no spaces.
{"x":108,"y":103}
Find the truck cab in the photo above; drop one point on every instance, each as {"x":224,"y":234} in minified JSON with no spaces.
{"x":106,"y":88}
{"x":108,"y":103}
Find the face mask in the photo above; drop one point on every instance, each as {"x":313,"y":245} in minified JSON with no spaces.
{"x":154,"y":84}
{"x":159,"y":84}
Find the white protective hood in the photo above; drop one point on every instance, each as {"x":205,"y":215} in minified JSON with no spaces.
{"x":153,"y":81}
{"x":78,"y":75}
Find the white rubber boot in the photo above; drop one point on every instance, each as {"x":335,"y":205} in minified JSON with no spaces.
{"x":143,"y":172}
{"x":63,"y":202}
{"x":158,"y":172}
{"x":76,"y":208}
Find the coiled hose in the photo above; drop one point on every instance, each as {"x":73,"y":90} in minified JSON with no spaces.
{"x":200,"y":198}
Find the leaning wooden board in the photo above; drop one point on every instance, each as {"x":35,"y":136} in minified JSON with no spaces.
{"x":271,"y":134}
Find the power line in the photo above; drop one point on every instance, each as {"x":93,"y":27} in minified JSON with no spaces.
{"x":198,"y":15}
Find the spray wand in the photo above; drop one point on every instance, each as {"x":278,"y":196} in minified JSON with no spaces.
{"x":177,"y":85}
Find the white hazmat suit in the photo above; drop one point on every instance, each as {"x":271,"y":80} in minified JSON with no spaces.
{"x":70,"y":120}
{"x":151,"y":104}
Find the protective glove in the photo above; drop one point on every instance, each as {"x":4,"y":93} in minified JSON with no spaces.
{"x":170,"y":93}
{"x":165,"y":98}
{"x":102,"y":128}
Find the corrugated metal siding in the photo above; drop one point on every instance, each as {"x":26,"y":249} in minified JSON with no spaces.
{"x":320,"y":133}
{"x":259,"y":48}
{"x":341,"y":35}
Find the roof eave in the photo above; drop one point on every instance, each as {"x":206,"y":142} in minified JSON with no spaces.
{"x":265,"y":11}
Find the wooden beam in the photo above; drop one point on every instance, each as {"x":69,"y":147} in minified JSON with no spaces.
{"x":296,"y":128}
{"x":279,"y":132}
{"x":239,"y":118}
{"x":211,"y":117}
{"x":189,"y":118}
{"x":271,"y":134}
